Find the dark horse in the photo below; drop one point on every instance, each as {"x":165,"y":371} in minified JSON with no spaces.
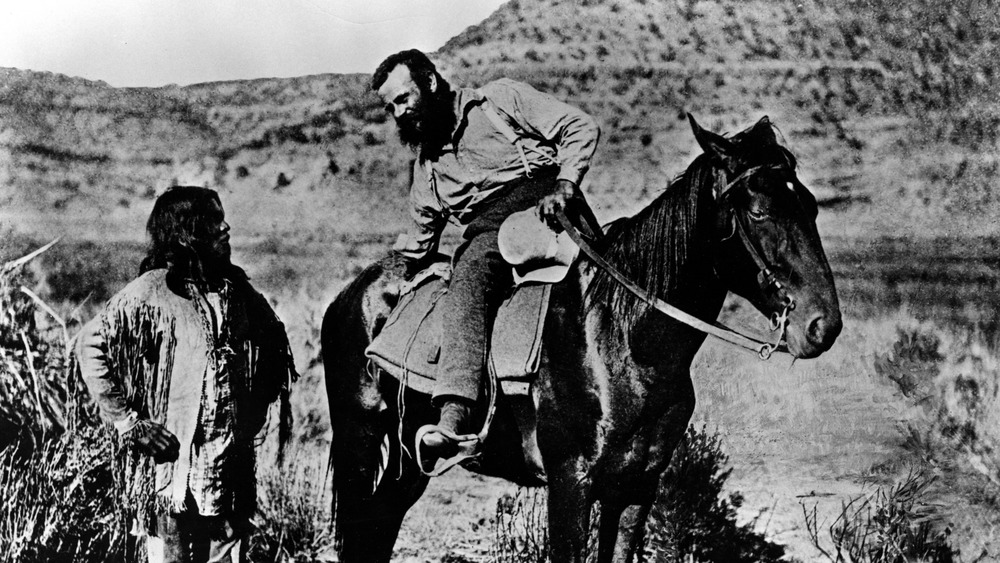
{"x":614,"y":386}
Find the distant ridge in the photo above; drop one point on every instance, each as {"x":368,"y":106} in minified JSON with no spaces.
{"x":825,"y":72}
{"x":939,"y":55}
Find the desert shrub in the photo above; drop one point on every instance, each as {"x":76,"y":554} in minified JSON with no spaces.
{"x":39,"y":395}
{"x":953,"y":382}
{"x":890,"y":525}
{"x":965,"y":408}
{"x":693,"y":518}
{"x":913,"y":362}
{"x":521,"y":527}
{"x":86,"y":270}
{"x":293,"y":518}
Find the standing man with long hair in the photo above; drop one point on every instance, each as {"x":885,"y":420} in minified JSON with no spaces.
{"x":184,"y":362}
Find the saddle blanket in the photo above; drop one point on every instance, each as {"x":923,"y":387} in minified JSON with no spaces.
{"x":409,"y":345}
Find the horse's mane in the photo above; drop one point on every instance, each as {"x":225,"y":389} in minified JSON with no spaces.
{"x":653,"y":246}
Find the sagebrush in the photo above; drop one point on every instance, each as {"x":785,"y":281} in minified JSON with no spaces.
{"x":693,"y":518}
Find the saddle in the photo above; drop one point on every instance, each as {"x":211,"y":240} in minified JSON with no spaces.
{"x":408,"y":348}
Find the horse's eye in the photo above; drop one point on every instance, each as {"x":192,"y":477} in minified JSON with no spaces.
{"x":757,"y":214}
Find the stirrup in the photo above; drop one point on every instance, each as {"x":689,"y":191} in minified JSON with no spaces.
{"x":468,"y":446}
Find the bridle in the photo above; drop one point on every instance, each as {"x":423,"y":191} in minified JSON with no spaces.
{"x":765,"y":277}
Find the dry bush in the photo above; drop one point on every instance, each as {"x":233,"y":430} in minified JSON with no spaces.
{"x":693,"y":518}
{"x":58,"y":503}
{"x":951,"y":379}
{"x":891,"y":525}
{"x":55,"y":467}
{"x":953,"y":382}
{"x":39,"y":393}
{"x":293,"y":517}
{"x":521,"y":527}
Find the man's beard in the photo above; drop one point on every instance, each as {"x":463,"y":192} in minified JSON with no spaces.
{"x":216,"y":261}
{"x":431,"y":123}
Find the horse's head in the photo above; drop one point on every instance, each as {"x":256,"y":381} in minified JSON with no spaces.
{"x":767,"y":248}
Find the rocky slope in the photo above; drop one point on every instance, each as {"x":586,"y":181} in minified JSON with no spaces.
{"x":844,"y":82}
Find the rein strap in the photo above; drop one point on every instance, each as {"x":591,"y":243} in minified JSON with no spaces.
{"x":763,"y":349}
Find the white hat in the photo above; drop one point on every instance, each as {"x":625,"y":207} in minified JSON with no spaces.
{"x":535,"y":251}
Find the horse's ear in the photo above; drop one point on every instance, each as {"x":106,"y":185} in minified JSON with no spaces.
{"x":713,"y":144}
{"x":763,"y":131}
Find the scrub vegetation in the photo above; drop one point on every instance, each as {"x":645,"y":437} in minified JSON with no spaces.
{"x":883,"y":449}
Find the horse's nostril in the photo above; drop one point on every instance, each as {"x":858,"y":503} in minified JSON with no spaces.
{"x":817,"y":329}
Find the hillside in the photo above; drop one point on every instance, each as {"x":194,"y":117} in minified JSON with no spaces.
{"x":66,"y":140}
{"x":846,"y":86}
{"x":891,"y":106}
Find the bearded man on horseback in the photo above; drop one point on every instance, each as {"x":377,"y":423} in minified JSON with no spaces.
{"x":482,"y":155}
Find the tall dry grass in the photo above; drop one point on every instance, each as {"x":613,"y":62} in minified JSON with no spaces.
{"x":293,"y":518}
{"x":55,"y":464}
{"x":890,"y":525}
{"x":57,"y":501}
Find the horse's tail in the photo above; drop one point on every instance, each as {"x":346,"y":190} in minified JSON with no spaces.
{"x":349,"y":324}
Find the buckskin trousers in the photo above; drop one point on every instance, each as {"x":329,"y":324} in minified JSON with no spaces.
{"x":480,"y":281}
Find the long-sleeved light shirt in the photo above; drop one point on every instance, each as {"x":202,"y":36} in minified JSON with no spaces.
{"x":213,"y":450}
{"x":481,"y":161}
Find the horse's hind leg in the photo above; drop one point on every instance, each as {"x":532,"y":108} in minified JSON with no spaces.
{"x":368,"y":528}
{"x":368,"y":520}
{"x":621,"y":531}
{"x":367,"y":523}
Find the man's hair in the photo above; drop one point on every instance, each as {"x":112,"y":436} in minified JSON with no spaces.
{"x":181,"y":218}
{"x":436,"y":112}
{"x":421,"y":69}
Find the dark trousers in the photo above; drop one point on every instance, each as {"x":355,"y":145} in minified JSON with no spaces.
{"x":192,"y":538}
{"x":480,"y":281}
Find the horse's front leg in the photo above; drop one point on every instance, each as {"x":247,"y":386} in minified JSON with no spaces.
{"x":569,"y":512}
{"x":621,"y":531}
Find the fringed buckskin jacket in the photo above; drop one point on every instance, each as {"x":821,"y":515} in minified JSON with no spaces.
{"x":148,"y":352}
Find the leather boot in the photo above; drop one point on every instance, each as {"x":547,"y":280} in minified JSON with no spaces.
{"x":455,"y":416}
{"x":454,"y":419}
{"x":438,"y":441}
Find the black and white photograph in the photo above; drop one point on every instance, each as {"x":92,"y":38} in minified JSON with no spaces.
{"x":500,"y":281}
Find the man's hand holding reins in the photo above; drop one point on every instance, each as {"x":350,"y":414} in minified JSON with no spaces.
{"x":567,"y":198}
{"x":550,"y":205}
